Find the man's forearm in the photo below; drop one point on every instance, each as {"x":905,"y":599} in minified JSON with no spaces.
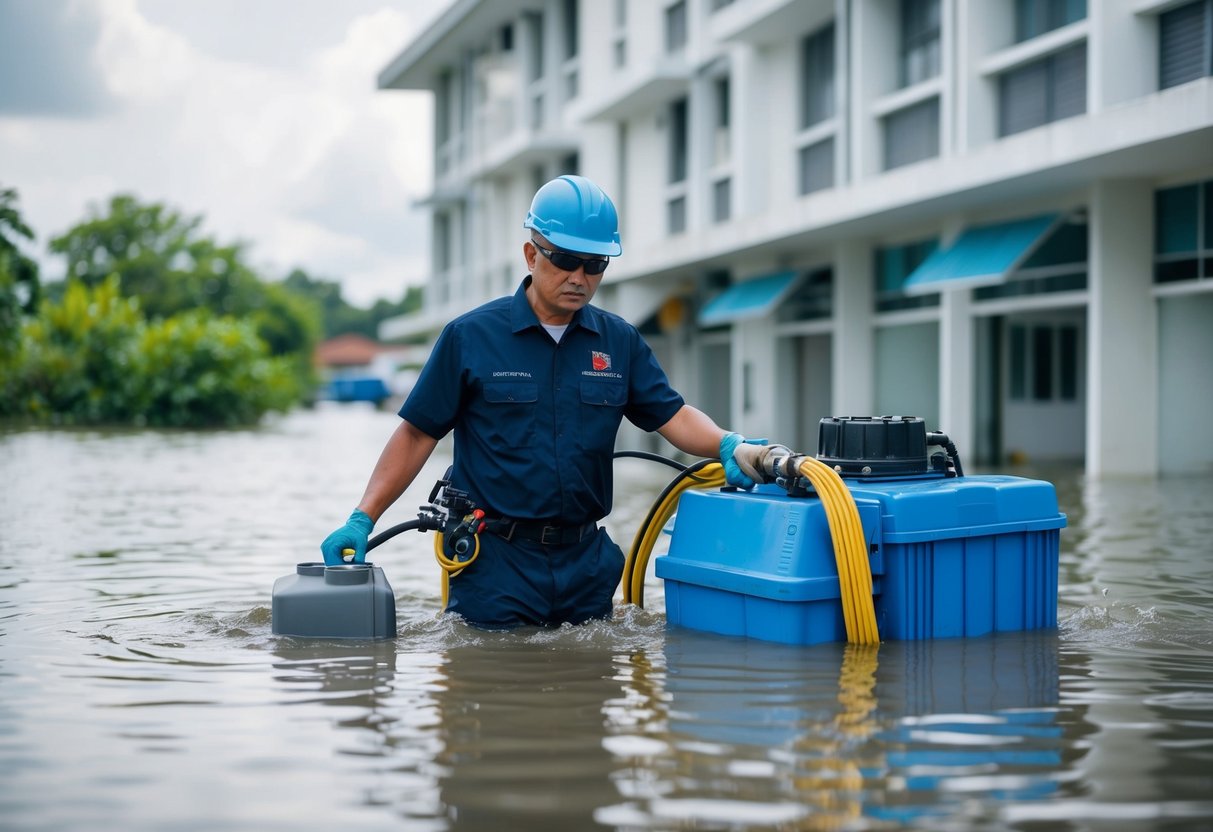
{"x":402,"y":458}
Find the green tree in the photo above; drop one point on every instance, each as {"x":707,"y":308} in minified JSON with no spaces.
{"x":20,"y":290}
{"x":338,"y":316}
{"x":161,"y":257}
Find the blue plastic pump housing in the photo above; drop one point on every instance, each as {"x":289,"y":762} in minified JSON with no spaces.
{"x":345,"y":601}
{"x":950,"y":555}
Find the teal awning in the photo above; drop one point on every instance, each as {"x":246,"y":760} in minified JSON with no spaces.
{"x":981,"y":256}
{"x":751,"y":299}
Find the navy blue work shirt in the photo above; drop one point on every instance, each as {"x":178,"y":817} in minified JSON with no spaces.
{"x":535,"y":421}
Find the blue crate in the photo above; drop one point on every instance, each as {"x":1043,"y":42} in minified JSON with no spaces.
{"x":950,"y":557}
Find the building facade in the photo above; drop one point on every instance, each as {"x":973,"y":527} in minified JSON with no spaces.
{"x":994,"y":214}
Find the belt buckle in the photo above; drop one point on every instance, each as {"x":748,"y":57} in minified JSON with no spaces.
{"x":543,"y":535}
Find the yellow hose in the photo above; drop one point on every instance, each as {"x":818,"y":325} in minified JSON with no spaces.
{"x":850,"y":550}
{"x":451,"y":568}
{"x":636,"y":564}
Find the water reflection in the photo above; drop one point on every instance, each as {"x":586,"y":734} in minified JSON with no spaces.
{"x":817,"y":737}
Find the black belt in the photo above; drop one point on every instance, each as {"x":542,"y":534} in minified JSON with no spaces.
{"x":548,"y":535}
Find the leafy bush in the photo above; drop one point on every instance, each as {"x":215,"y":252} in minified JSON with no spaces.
{"x":92,"y":358}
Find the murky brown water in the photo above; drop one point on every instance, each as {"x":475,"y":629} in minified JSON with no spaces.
{"x":141,"y":687}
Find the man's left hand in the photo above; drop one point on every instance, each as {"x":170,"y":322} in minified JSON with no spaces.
{"x":739,"y":456}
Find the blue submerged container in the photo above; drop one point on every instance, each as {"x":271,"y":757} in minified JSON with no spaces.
{"x":950,"y":556}
{"x":344,"y":601}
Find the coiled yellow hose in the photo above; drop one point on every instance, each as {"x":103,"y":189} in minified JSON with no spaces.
{"x":451,"y":567}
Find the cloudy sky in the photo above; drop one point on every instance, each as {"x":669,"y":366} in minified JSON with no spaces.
{"x":260,"y":115}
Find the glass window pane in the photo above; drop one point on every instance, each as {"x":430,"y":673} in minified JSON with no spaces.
{"x":678,"y":141}
{"x":817,"y":78}
{"x":1066,"y":245}
{"x":1067,"y":348}
{"x":1183,"y":36}
{"x":1023,"y":98}
{"x":816,"y":167}
{"x":920,"y":31}
{"x":1042,"y":363}
{"x":1018,"y":359}
{"x":676,"y":26}
{"x":677,"y":215}
{"x":1175,"y":218}
{"x":722,"y":200}
{"x":1206,"y":241}
{"x":1069,"y":83}
{"x":1174,"y":270}
{"x":570,"y":28}
{"x":912,"y":134}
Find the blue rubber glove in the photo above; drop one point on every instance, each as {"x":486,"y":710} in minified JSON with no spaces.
{"x":732,"y":471}
{"x":353,"y":535}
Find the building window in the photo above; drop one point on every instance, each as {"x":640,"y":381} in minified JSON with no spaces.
{"x":535,"y":70}
{"x":812,"y":300}
{"x":678,"y":141}
{"x":570,"y":164}
{"x":817,"y":77}
{"x":676,"y":26}
{"x":570,"y":70}
{"x":722,"y":129}
{"x":1185,"y":38}
{"x":816,"y":167}
{"x":1043,"y":362}
{"x":1183,"y":233}
{"x":912,"y":134}
{"x":722,"y":198}
{"x":717,"y":5}
{"x":676,"y":215}
{"x":894,"y":264}
{"x":570,"y":29}
{"x":1035,"y":17}
{"x":534,"y":21}
{"x":1058,"y":265}
{"x":621,"y":33}
{"x":1047,"y":90}
{"x":920,"y":31}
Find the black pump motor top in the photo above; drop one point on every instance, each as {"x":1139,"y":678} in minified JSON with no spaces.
{"x":877,"y":446}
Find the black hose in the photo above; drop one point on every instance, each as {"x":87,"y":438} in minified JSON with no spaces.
{"x":665,"y":460}
{"x":941,"y":440}
{"x":955,"y":454}
{"x":388,"y":534}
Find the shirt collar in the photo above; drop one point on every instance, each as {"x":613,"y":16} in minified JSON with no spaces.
{"x":522,"y":316}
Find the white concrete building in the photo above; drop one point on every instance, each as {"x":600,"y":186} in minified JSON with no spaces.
{"x":995,"y":214}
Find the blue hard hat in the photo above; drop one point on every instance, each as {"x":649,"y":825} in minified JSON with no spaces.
{"x":575,"y":214}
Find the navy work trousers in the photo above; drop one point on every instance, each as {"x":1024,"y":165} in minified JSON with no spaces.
{"x":525,"y":582}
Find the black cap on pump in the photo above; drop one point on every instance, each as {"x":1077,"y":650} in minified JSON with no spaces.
{"x":874,"y":446}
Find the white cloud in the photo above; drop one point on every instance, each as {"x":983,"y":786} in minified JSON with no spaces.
{"x":306,"y":161}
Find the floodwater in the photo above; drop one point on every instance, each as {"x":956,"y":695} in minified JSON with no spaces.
{"x":141,"y":687}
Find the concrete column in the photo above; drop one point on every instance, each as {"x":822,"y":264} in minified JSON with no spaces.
{"x":853,"y":355}
{"x":956,"y":346}
{"x":1122,"y":332}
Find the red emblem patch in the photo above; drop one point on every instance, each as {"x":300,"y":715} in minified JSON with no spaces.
{"x":600,"y":361}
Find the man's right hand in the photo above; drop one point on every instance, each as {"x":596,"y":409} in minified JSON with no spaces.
{"x":353,"y":535}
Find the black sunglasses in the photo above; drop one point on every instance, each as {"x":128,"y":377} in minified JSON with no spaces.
{"x":567,"y":262}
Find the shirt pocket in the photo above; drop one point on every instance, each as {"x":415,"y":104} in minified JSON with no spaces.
{"x":510,"y":411}
{"x":601,"y":411}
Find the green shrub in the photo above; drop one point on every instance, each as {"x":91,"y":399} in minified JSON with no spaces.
{"x":92,"y":358}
